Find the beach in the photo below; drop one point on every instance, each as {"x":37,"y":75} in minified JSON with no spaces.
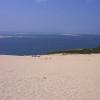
{"x":50,"y":77}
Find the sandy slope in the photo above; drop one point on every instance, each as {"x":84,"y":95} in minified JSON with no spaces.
{"x":54,"y":77}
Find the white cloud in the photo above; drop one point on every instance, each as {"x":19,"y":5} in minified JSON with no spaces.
{"x":40,"y":1}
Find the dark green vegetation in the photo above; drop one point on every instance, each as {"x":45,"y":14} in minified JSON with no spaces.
{"x":78,"y":51}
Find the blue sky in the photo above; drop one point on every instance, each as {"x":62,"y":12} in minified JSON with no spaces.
{"x":70,"y":16}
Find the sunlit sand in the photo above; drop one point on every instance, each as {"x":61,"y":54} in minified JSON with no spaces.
{"x":50,"y":77}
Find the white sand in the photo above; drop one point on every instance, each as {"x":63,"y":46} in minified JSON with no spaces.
{"x":54,"y":77}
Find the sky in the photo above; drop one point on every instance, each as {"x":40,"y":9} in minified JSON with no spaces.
{"x":70,"y":16}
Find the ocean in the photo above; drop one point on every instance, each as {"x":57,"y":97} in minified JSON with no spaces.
{"x":39,"y":44}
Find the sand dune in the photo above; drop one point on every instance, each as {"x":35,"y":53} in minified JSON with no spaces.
{"x":53,"y":77}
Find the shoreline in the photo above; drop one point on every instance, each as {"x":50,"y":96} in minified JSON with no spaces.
{"x":95,"y":50}
{"x":49,"y":54}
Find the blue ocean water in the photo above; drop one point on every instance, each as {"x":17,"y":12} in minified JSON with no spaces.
{"x":31,"y":44}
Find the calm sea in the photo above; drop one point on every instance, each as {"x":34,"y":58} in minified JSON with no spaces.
{"x":30,"y":44}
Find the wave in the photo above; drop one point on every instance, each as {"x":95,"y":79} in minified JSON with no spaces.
{"x":17,"y":36}
{"x":12,"y":36}
{"x":6,"y":36}
{"x":71,"y":34}
{"x":34,"y":35}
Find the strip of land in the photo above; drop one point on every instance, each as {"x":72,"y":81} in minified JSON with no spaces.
{"x":78,"y":51}
{"x":50,"y":77}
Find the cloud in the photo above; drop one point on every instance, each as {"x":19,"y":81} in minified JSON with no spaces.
{"x":40,"y":1}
